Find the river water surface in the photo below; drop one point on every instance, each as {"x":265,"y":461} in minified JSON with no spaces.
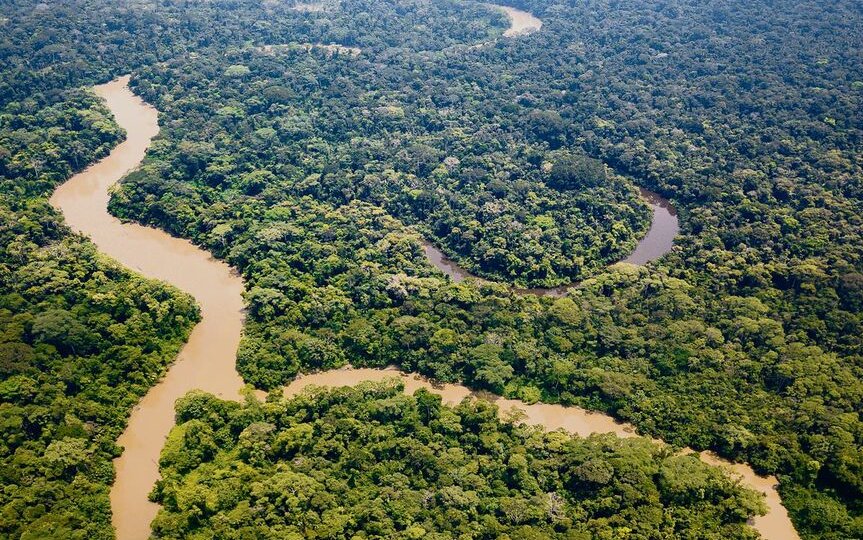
{"x":207,"y":361}
{"x":520,"y":22}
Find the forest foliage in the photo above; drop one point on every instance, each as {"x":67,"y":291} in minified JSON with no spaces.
{"x":371,"y":462}
{"x":316,"y":174}
{"x":745,"y":339}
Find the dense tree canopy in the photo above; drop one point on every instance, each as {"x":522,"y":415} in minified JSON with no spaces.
{"x":316,"y":172}
{"x":370,"y":462}
{"x":472,"y":181}
{"x":707,"y":348}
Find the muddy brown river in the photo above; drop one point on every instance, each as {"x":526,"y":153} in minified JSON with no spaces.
{"x":207,"y":361}
{"x":520,"y":22}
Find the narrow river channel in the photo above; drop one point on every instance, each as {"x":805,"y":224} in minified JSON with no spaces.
{"x":207,"y":360}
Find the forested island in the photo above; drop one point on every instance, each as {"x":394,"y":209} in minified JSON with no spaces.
{"x":317,"y":147}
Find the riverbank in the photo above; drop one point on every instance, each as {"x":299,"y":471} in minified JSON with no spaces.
{"x":774,"y":525}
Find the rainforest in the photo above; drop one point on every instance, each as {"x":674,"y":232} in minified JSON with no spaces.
{"x":431,"y":269}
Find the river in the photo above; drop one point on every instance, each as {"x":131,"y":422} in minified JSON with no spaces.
{"x":774,"y":525}
{"x":657,"y":242}
{"x":520,"y":22}
{"x":207,"y":361}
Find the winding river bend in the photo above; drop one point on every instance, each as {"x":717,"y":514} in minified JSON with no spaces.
{"x":207,"y":360}
{"x":657,"y":242}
